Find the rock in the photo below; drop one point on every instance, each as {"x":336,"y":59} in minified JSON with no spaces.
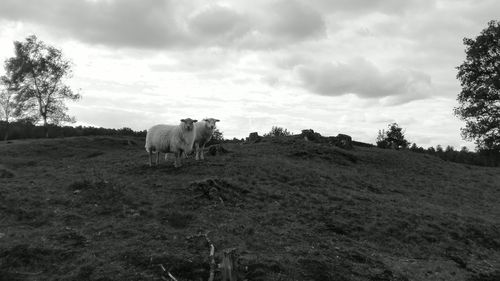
{"x":254,"y":138}
{"x":344,"y":141}
{"x":310,"y":135}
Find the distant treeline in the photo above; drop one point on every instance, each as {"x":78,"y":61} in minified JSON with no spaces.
{"x":27,"y":130}
{"x":480,"y":158}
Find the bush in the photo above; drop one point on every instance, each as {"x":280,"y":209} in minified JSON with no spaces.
{"x":278,"y":132}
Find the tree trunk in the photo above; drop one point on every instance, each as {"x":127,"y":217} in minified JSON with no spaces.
{"x":6,"y":137}
{"x":45,"y":127}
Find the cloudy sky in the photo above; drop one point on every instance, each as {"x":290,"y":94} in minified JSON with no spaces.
{"x":336,"y":66}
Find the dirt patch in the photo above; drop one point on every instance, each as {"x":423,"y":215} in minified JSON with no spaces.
{"x":215,"y":189}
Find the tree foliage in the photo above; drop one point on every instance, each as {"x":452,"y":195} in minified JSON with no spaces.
{"x":277,"y":132}
{"x":479,"y":100}
{"x":7,"y":103}
{"x":392,"y":138}
{"x":39,"y":72}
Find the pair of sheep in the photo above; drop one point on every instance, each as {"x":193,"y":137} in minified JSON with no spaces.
{"x":179,"y":140}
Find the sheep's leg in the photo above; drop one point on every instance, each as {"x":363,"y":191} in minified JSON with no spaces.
{"x":150,"y":153}
{"x":157,"y":158}
{"x":177,"y":162}
{"x":202,"y":152}
{"x":197,"y":151}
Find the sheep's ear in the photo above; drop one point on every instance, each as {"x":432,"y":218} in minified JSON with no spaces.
{"x":194,"y":121}
{"x":183,"y":120}
{"x":217,"y":120}
{"x":206,"y":120}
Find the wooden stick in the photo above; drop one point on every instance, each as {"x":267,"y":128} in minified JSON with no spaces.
{"x":171,"y":276}
{"x":163,"y":268}
{"x":212,"y":253}
{"x":212,"y":261}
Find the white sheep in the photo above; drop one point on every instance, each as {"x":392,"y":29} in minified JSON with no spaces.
{"x":171,"y":139}
{"x":204,"y":131}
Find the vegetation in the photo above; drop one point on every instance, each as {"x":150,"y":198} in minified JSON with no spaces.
{"x":479,"y":99}
{"x":7,"y":104}
{"x":277,"y":132}
{"x":37,"y":74}
{"x":26,"y":130}
{"x":90,"y":208}
{"x":217,"y":137}
{"x":480,"y":158}
{"x":392,"y":138}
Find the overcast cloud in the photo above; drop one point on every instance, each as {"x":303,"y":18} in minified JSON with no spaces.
{"x":337,"y":66}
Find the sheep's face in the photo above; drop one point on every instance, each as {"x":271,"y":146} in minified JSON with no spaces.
{"x":210,"y":123}
{"x":188,"y":123}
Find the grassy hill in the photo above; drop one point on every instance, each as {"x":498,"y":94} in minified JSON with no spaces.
{"x":90,"y":208}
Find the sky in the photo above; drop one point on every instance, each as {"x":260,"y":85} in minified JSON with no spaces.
{"x":334,"y":66}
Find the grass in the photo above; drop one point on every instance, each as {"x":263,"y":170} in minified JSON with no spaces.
{"x":90,"y":208}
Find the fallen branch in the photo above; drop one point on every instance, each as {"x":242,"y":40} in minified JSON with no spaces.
{"x":171,"y":276}
{"x":168,"y":272}
{"x":212,"y":253}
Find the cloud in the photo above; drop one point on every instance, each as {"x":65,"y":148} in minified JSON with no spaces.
{"x":156,"y":24}
{"x":219,"y":24}
{"x":148,"y":23}
{"x":364,"y":79}
{"x":388,"y":7}
{"x":295,"y":20}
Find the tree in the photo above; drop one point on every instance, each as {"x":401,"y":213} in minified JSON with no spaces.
{"x":7,"y":104}
{"x":277,"y":132}
{"x":381,"y":141}
{"x":479,"y":99}
{"x":217,"y":135}
{"x":392,"y":138}
{"x":40,"y":71}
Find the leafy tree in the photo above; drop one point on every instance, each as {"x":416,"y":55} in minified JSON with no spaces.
{"x":217,"y":135}
{"x":277,"y":132}
{"x":479,"y":99}
{"x":392,"y":138}
{"x":381,"y":141}
{"x":7,"y":104}
{"x":439,"y":149}
{"x":40,"y":71}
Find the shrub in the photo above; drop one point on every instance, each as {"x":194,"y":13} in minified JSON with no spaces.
{"x":278,"y":132}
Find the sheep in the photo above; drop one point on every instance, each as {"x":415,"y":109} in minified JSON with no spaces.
{"x":204,"y":131}
{"x":171,"y":139}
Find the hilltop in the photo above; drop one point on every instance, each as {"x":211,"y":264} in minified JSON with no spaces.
{"x":90,"y":208}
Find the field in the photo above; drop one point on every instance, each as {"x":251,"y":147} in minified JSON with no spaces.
{"x":90,"y":208}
